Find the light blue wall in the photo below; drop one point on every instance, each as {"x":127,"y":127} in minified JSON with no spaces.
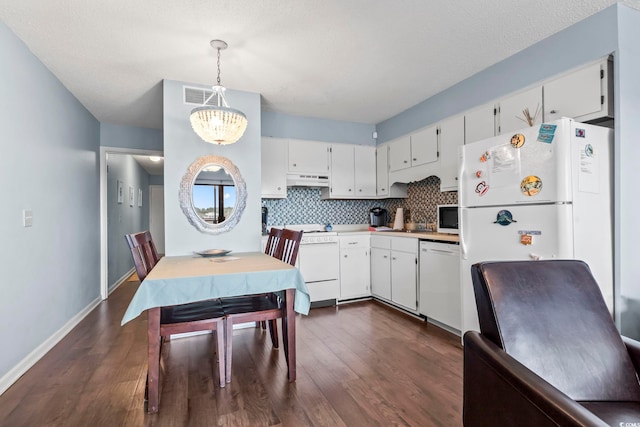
{"x":130,"y":137}
{"x":288,"y":126}
{"x":49,"y":164}
{"x":122,"y":218}
{"x":627,"y":156}
{"x":588,"y":40}
{"x":182,"y":147}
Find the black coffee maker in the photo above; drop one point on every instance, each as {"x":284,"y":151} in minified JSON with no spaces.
{"x":378,"y":217}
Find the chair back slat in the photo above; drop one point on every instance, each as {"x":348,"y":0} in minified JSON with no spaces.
{"x":152,"y":246}
{"x":142,"y":252}
{"x":289,"y":245}
{"x":272,"y":241}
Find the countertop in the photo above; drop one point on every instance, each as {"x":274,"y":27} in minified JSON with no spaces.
{"x":347,"y":229}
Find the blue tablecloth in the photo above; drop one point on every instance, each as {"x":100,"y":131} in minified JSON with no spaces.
{"x":183,"y":279}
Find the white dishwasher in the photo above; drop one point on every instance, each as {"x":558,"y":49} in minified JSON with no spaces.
{"x":440,"y":297}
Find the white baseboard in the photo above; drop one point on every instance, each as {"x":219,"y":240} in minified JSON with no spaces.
{"x":121,"y":280}
{"x":25,"y":364}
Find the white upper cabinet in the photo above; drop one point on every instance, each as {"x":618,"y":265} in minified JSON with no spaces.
{"x":582,"y":95}
{"x":424,"y":146}
{"x":479,"y":123}
{"x":353,"y":172}
{"x":511,"y":110}
{"x":382,"y":170}
{"x":310,"y":157}
{"x":451,"y":137}
{"x":274,"y":168}
{"x":342,"y":170}
{"x":400,"y":153}
{"x":417,"y":149}
{"x":365,"y":170}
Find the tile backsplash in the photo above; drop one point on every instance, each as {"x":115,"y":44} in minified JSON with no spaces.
{"x":304,"y":205}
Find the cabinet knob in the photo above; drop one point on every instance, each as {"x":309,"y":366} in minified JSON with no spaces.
{"x":349,"y":190}
{"x":385,"y":257}
{"x":553,"y":111}
{"x":456,"y":178}
{"x":279,"y":188}
{"x":406,"y":161}
{"x":414,"y":159}
{"x":294,"y":165}
{"x":345,"y":256}
{"x":382,"y":189}
{"x":393,"y":258}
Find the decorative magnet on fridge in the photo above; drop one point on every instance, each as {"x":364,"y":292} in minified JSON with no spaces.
{"x":588,"y":150}
{"x":517,"y":140}
{"x":531,"y":185}
{"x":482,"y":188}
{"x":486,"y":156}
{"x":504,"y":217}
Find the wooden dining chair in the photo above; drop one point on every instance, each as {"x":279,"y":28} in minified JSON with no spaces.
{"x":184,"y":318}
{"x":263,"y":307}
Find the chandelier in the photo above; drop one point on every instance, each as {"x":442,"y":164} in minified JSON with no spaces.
{"x":218,"y":124}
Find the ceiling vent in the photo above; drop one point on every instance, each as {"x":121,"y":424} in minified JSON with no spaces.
{"x":197,"y":96}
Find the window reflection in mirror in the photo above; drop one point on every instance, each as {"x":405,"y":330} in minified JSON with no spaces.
{"x":214,"y":194}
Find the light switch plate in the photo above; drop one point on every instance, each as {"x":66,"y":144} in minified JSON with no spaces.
{"x":27,"y":217}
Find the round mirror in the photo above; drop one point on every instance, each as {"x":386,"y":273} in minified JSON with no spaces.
{"x":213,"y":194}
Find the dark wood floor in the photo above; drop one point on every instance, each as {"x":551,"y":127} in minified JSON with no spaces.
{"x":361,"y":364}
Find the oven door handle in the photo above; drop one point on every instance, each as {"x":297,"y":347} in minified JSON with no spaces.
{"x":318,"y":243}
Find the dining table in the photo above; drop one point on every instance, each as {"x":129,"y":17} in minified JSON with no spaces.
{"x":184,"y":279}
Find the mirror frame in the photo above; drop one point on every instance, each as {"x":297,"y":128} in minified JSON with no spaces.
{"x":186,"y":194}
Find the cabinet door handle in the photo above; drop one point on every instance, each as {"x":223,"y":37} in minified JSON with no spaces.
{"x":406,"y":161}
{"x":385,"y":257}
{"x":553,"y":111}
{"x":294,"y":165}
{"x":345,"y":256}
{"x":414,"y":159}
{"x":393,"y":258}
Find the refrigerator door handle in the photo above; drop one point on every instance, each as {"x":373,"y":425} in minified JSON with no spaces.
{"x":463,"y":237}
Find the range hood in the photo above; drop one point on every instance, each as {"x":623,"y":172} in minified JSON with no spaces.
{"x":307,"y":180}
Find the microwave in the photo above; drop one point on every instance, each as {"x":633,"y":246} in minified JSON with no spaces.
{"x":447,"y":219}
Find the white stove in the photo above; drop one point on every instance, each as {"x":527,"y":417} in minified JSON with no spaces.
{"x":319,"y":263}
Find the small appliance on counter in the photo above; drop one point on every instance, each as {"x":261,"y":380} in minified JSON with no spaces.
{"x":378,"y":217}
{"x":265,"y":212}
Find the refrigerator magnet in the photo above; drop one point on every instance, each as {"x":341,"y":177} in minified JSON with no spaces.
{"x":517,"y":140}
{"x":504,"y":218}
{"x":546,"y":133}
{"x":486,"y":156}
{"x":526,"y":239}
{"x":482,"y":188}
{"x":531,"y":185}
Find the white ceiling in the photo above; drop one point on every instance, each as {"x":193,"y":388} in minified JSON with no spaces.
{"x":152,"y":168}
{"x":354,"y":60}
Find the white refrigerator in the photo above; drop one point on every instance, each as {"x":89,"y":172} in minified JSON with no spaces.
{"x":543,"y":192}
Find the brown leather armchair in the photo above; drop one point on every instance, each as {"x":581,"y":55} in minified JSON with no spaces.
{"x":548,"y":353}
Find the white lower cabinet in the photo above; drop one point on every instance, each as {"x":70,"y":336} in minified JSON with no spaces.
{"x":440,"y":298}
{"x":354,"y":267}
{"x":381,"y":273}
{"x":394,"y":270}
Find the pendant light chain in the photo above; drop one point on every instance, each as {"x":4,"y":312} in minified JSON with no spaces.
{"x":219,"y":67}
